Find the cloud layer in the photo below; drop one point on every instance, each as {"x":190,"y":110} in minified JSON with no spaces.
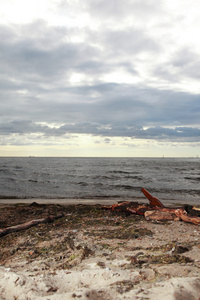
{"x":109,"y":69}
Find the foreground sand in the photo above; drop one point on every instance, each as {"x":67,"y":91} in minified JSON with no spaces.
{"x":91,"y":253}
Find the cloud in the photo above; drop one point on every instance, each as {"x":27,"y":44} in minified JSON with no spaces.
{"x":187,"y":62}
{"x":39,"y":56}
{"x":107,"y":69}
{"x":22,"y":127}
{"x":114,"y":104}
{"x":118,"y":11}
{"x":130,"y":41}
{"x":178,"y":134}
{"x":184,"y":63}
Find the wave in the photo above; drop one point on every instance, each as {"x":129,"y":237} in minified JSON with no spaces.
{"x":193,"y":178}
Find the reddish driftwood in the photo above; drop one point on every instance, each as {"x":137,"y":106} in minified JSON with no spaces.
{"x":153,"y":201}
{"x":168,"y":213}
{"x":155,"y":210}
{"x":184,"y":216}
{"x":29,"y":224}
{"x":129,"y":207}
{"x":160,"y":215}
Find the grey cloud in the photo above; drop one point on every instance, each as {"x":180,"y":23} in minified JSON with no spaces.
{"x":178,"y":134}
{"x":184,"y":62}
{"x":22,"y":127}
{"x":37,"y":61}
{"x":131,"y":41}
{"x":40,"y":55}
{"x":119,"y":10}
{"x":129,"y":67}
{"x":183,"y":57}
{"x":107,"y":140}
{"x":126,"y":104}
{"x":114,"y":104}
{"x":165,"y":71}
{"x":187,"y":62}
{"x":184,"y":134}
{"x":36,"y":53}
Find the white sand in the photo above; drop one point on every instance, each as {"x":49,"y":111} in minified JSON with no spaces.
{"x":105,"y":275}
{"x":93,"y":283}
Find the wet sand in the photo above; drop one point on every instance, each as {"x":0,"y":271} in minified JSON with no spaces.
{"x":93,"y":201}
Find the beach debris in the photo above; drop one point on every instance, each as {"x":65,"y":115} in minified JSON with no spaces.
{"x":160,"y":215}
{"x":156,"y":210}
{"x":29,"y":224}
{"x":153,"y":201}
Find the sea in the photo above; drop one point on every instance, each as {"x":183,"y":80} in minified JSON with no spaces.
{"x":175,"y":179}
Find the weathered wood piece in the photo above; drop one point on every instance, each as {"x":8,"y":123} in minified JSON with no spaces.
{"x":155,"y":210}
{"x":29,"y":224}
{"x":153,"y":201}
{"x":184,"y":216}
{"x":160,"y":215}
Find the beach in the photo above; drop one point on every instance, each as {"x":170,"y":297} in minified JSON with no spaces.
{"x":92,"y":253}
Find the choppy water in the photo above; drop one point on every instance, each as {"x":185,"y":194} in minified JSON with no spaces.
{"x":165,"y":178}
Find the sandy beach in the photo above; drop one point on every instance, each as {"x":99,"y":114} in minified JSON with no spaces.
{"x":91,"y":253}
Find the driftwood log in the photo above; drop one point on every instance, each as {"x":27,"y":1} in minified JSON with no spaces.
{"x":29,"y":224}
{"x":155,"y":210}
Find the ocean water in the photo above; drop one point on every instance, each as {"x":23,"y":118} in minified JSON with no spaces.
{"x":121,"y":178}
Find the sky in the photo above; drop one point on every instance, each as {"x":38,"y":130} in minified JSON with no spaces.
{"x":100,"y":78}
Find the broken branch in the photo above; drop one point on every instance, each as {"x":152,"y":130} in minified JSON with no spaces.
{"x":29,"y":224}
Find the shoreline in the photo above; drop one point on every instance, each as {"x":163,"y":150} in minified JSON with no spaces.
{"x":94,"y":201}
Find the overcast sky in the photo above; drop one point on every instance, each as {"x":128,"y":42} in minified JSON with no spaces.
{"x":100,"y":78}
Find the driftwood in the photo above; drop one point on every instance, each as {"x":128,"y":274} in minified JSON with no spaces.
{"x":29,"y":224}
{"x":155,"y":210}
{"x":153,"y":201}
